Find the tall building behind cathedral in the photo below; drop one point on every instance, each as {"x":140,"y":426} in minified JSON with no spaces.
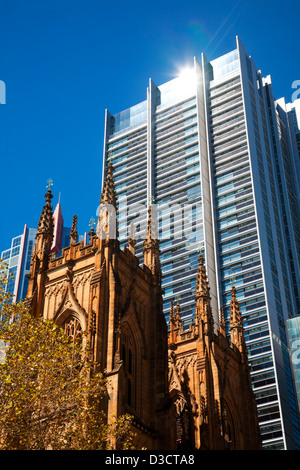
{"x":218,"y":157}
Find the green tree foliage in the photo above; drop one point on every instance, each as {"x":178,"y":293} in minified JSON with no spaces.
{"x":51,"y":396}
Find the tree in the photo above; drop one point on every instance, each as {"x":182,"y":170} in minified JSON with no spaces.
{"x":51,"y":395}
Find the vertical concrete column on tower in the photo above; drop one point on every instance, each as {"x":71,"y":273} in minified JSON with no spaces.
{"x":151,"y":107}
{"x":205,"y":178}
{"x":107,"y":130}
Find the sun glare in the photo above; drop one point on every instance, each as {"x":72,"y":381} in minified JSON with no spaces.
{"x":187,"y":77}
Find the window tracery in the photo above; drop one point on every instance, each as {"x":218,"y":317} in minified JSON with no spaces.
{"x":73,"y":329}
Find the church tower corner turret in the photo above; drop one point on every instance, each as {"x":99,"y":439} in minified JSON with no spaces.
{"x":41,"y":254}
{"x":151,"y":245}
{"x":107,"y":227}
{"x":236,"y":326}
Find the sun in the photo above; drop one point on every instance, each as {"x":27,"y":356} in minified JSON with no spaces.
{"x":187,"y":77}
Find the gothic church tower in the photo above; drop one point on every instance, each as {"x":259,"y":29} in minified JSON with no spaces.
{"x":101,"y":290}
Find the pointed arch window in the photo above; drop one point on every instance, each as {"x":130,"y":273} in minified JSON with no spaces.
{"x":128,"y":357}
{"x":228,"y":428}
{"x":73,"y":329}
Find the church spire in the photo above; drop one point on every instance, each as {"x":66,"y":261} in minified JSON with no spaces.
{"x":178,"y":319}
{"x":172,"y":314}
{"x":222,"y":322}
{"x":151,"y":245}
{"x":175,"y":321}
{"x":40,"y":255}
{"x":108,"y":195}
{"x":236,"y":324}
{"x":202,"y":288}
{"x":74,"y":233}
{"x":92,"y":232}
{"x":235,"y":313}
{"x":131,"y":239}
{"x":203,"y":308}
{"x":152,"y":235}
{"x":107,"y":219}
{"x":45,"y":224}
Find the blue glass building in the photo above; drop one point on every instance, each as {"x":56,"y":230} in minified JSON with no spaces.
{"x":17,"y":259}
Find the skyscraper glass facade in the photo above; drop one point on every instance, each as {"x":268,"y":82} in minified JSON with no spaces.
{"x":17,"y":260}
{"x":173,"y":185}
{"x":177,"y":192}
{"x":215,"y":153}
{"x":248,"y":234}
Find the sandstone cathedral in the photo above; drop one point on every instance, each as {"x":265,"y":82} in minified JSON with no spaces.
{"x":187,"y":388}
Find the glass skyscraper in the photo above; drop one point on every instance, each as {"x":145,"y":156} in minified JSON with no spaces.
{"x":217,"y":157}
{"x":17,"y":259}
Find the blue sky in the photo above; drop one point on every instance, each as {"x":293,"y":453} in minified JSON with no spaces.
{"x":64,"y":61}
